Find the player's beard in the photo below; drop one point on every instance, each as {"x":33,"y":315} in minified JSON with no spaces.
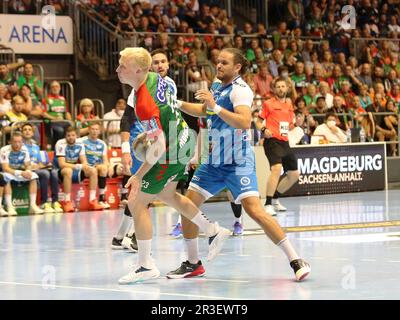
{"x":281,"y":95}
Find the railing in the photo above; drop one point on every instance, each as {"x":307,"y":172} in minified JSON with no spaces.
{"x":7,"y":54}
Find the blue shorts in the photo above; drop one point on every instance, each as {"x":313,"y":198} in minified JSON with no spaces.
{"x":135,"y":131}
{"x":208,"y":180}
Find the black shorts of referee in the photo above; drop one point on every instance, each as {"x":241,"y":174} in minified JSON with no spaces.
{"x":279,"y":152}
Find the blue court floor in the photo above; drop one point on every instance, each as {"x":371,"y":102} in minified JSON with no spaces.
{"x":68,"y":256}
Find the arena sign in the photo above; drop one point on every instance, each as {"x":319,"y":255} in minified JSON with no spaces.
{"x":31,"y":34}
{"x":341,"y":168}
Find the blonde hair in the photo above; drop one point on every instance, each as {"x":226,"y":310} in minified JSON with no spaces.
{"x":85,"y":101}
{"x":16,"y":98}
{"x":139,"y":56}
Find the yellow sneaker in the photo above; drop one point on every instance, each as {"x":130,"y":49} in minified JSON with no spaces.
{"x":47,"y":208}
{"x":57,"y":207}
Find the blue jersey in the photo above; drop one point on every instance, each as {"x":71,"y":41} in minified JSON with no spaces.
{"x":94,"y":150}
{"x":70,"y":152}
{"x":34,"y":152}
{"x":17,"y":160}
{"x":227,"y":145}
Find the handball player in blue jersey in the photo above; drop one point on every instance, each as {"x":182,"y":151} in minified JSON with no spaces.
{"x":231,"y":162}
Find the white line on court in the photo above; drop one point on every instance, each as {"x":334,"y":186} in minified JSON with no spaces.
{"x":119,"y":290}
{"x":368,"y":260}
{"x":394,"y":261}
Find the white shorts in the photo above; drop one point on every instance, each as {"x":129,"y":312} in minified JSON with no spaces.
{"x":10,"y":177}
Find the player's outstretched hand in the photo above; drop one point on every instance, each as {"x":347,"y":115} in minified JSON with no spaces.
{"x":134,"y":183}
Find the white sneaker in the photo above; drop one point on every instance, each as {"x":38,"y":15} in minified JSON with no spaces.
{"x":270,"y":210}
{"x":278,"y":206}
{"x":11,"y":211}
{"x":35,"y":209}
{"x":3,"y":213}
{"x":140,"y":274}
{"x":104,"y":204}
{"x":215,"y":242}
{"x":130,"y":243}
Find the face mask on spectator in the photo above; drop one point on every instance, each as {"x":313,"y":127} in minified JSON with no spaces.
{"x":331,"y":123}
{"x":120,"y":112}
{"x":285,"y":75}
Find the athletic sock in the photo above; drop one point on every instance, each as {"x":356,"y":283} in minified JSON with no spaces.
{"x":144,"y":251}
{"x":92,"y":195}
{"x":32,"y":199}
{"x":192,"y":247}
{"x":126,"y":222}
{"x":67,"y":197}
{"x":132,"y":229}
{"x":209,"y":228}
{"x":237,"y":209}
{"x":288,"y":249}
{"x":268,"y":201}
{"x":8,"y":199}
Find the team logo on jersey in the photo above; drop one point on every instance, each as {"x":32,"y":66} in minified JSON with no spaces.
{"x":161,"y":88}
{"x":99,"y":147}
{"x":245,"y":181}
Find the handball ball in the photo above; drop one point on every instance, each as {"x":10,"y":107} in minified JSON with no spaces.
{"x":140,"y":148}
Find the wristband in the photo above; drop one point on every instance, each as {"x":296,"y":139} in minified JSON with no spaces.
{"x":217,"y":109}
{"x":78,"y":166}
{"x":179,"y":103}
{"x":263,"y":129}
{"x":125,"y":147}
{"x":17,"y":173}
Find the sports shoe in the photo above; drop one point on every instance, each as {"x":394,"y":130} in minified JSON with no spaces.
{"x":3,"y":213}
{"x":33,"y":208}
{"x":47,"y":208}
{"x":237,"y":229}
{"x":130,"y":243}
{"x":104,"y":204}
{"x":270,"y":210}
{"x":278,"y":206}
{"x":11,"y":211}
{"x":68,"y":206}
{"x":187,"y":270}
{"x":140,"y":274}
{"x":57,"y":207}
{"x":177,"y":231}
{"x":95,"y":205}
{"x":116,"y":244}
{"x":301,"y":269}
{"x":215,"y":242}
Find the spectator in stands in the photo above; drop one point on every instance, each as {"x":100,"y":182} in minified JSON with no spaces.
{"x":73,"y":168}
{"x":382,"y":132}
{"x":340,"y":110}
{"x":325,"y":92}
{"x":392,"y":124}
{"x":379,"y":89}
{"x":48,"y":176}
{"x":200,"y":50}
{"x":32,"y":81}
{"x":21,"y":7}
{"x":311,"y":96}
{"x":330,"y":131}
{"x":263,"y":81}
{"x":391,"y":80}
{"x":379,"y":75}
{"x":275,"y":62}
{"x":16,"y":166}
{"x":7,"y":78}
{"x":364,"y":97}
{"x":97,"y":158}
{"x":58,"y":6}
{"x":112,"y":127}
{"x":394,"y":94}
{"x":238,"y":43}
{"x":365,"y":75}
{"x":86,"y":107}
{"x":197,"y":78}
{"x":155,"y":17}
{"x":346,"y":93}
{"x":308,"y":49}
{"x":32,"y":108}
{"x":171,"y":20}
{"x":15,"y":114}
{"x":295,"y":13}
{"x":299,"y":77}
{"x":56,"y":109}
{"x":5,"y":105}
{"x":179,"y":53}
{"x":214,"y":53}
{"x":250,"y":53}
